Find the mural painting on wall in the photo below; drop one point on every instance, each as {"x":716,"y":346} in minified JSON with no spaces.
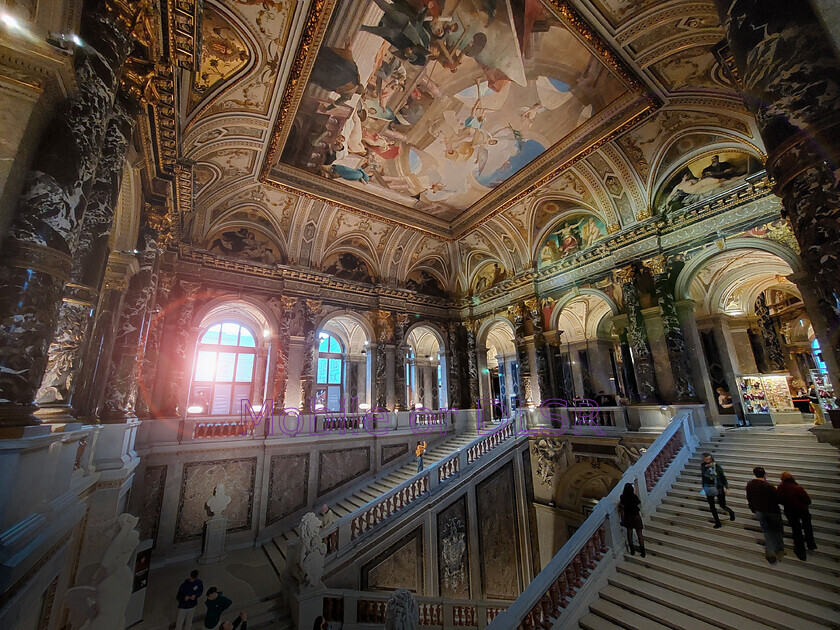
{"x":246,"y":244}
{"x":489,"y":275}
{"x":433,"y":104}
{"x":348,"y":266}
{"x":573,"y":234}
{"x":426,"y":283}
{"x":704,"y":178}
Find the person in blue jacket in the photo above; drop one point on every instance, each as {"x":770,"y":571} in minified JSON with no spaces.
{"x":187,"y":597}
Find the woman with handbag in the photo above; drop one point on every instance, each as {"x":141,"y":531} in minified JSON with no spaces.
{"x":630,"y":515}
{"x":715,"y":485}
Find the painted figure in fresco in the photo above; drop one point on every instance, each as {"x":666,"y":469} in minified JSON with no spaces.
{"x":335,"y":71}
{"x":720,"y":170}
{"x":349,"y":267}
{"x":402,"y":27}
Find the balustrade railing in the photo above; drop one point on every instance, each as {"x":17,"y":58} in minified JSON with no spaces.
{"x":221,"y":429}
{"x":486,"y":444}
{"x":429,"y":418}
{"x":557,"y":590}
{"x":393,"y":502}
{"x":352,"y":422}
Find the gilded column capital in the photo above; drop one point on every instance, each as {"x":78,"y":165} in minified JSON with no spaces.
{"x":401,"y":319}
{"x":625,"y":275}
{"x":658,"y":264}
{"x":313,"y":307}
{"x":533,"y":305}
{"x":288,"y":303}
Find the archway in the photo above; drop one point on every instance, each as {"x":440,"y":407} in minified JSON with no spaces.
{"x":342,"y":370}
{"x":499,"y":367}
{"x":425,"y":368}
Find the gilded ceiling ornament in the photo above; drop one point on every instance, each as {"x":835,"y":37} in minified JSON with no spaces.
{"x":644,"y":213}
{"x":625,"y":275}
{"x":288,"y":303}
{"x":657,"y":265}
{"x":533,"y":305}
{"x":313,"y":307}
{"x":613,"y":228}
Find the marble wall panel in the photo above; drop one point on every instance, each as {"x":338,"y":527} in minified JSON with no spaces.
{"x":400,"y":566}
{"x":197,"y":484}
{"x":287,"y":483}
{"x":339,"y":466}
{"x":390,"y":452}
{"x":498,"y":538}
{"x":154,"y":480}
{"x":453,"y":550}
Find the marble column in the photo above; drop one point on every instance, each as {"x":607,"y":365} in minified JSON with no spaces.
{"x":642,"y":355}
{"x":769,"y":336}
{"x":281,"y":366}
{"x":400,"y":326}
{"x":176,"y":387}
{"x":454,"y":365}
{"x":384,"y":336}
{"x":795,"y":107}
{"x":129,"y":346}
{"x":674,"y":339}
{"x":37,"y":252}
{"x":517,"y":315}
{"x":535,"y":311}
{"x":472,"y":364}
{"x":146,"y":405}
{"x":627,"y":370}
{"x":311,"y":310}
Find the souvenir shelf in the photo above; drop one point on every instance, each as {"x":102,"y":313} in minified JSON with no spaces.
{"x":825,"y":390}
{"x":766,"y":399}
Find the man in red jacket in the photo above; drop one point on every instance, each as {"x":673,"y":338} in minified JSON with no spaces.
{"x":764,"y":503}
{"x":795,"y":501}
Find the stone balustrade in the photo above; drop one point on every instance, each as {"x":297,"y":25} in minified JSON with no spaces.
{"x":572,"y":579}
{"x":449,"y":467}
{"x":393,"y":501}
{"x":485,"y":444}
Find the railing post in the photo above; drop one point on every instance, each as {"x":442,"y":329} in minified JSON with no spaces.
{"x":434,"y":476}
{"x":344,"y":533}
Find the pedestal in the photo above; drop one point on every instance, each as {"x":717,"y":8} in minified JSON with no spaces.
{"x":142,"y":560}
{"x":214,"y":540}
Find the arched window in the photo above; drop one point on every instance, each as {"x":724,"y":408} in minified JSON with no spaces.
{"x":330,"y":371}
{"x":224,"y":370}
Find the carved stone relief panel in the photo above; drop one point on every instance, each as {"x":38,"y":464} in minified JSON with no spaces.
{"x":197,"y":485}
{"x":453,"y":551}
{"x":287,"y":484}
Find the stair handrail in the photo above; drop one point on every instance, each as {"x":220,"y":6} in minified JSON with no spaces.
{"x":420,"y":486}
{"x":575,"y":565}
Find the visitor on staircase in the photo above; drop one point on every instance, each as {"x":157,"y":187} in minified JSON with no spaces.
{"x":764,"y":503}
{"x":187,"y":597}
{"x":795,"y":501}
{"x":715,"y":485}
{"x":630,"y":513}
{"x":418,"y":452}
{"x":235,"y":624}
{"x":216,"y":604}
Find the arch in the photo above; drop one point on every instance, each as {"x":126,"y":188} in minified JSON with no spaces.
{"x":487,"y":325}
{"x":692,"y":268}
{"x":574,"y":482}
{"x":251,"y":310}
{"x":560,"y":304}
{"x":433,"y":328}
{"x":345,"y":333}
{"x":425,"y":359}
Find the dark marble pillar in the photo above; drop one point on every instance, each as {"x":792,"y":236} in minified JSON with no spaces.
{"x":642,"y":355}
{"x":146,"y":405}
{"x":311,"y":310}
{"x":37,"y":252}
{"x":517,"y":314}
{"x":769,"y":336}
{"x":627,"y":371}
{"x":281,"y":369}
{"x":790,"y":76}
{"x":454,"y":365}
{"x":400,"y":326}
{"x":674,"y":339}
{"x":129,"y":345}
{"x":535,"y":312}
{"x":384,"y":336}
{"x":472,"y":364}
{"x":90,"y":256}
{"x":176,"y":391}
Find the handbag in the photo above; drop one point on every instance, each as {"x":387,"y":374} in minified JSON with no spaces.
{"x":710,"y":491}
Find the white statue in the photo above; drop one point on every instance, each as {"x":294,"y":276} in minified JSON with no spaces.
{"x":309,"y":568}
{"x":219,"y":501}
{"x":553,"y":458}
{"x":101,"y":605}
{"x":402,"y":612}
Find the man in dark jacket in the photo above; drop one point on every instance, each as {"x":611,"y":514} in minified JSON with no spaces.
{"x":234,"y":625}
{"x":764,"y":503}
{"x":216,"y":604}
{"x":187,"y":597}
{"x":715,"y":485}
{"x":795,"y":501}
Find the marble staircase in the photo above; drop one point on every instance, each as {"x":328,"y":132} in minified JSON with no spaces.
{"x":697,"y":577}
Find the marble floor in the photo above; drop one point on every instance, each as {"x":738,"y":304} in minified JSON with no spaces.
{"x":245,"y":576}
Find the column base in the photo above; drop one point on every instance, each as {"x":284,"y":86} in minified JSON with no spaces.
{"x":15,"y":417}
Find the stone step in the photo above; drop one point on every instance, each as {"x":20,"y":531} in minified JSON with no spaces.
{"x":640,"y":605}
{"x":829,"y":543}
{"x":619,"y":617}
{"x":737,"y":476}
{"x":772,"y":465}
{"x":827,"y":500}
{"x":745,"y":531}
{"x":728,"y":592}
{"x":591,"y":621}
{"x":718,"y":551}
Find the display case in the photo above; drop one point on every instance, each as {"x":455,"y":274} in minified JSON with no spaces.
{"x":824,"y":389}
{"x":766,"y":399}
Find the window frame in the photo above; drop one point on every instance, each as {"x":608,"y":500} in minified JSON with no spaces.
{"x":329,"y":355}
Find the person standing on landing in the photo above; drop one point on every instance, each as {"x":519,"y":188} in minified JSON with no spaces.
{"x":795,"y":501}
{"x":187,"y":597}
{"x":764,"y":503}
{"x":216,"y":604}
{"x":630,"y":513}
{"x":418,"y":452}
{"x":715,"y":486}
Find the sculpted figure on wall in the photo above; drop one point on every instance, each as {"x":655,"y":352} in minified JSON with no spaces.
{"x":309,"y":566}
{"x":402,"y":612}
{"x":454,"y":546}
{"x":553,"y":458}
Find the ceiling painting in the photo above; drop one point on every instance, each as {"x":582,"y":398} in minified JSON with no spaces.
{"x":245,"y":243}
{"x":487,"y":276}
{"x":570,"y":236}
{"x":425,"y":282}
{"x":427,"y":108}
{"x":703,"y":178}
{"x":349,"y":266}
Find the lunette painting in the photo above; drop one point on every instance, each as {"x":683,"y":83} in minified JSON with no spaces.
{"x":432,"y":104}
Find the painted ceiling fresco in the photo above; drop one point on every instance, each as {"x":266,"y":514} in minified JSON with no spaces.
{"x":433,"y":104}
{"x":571,"y":235}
